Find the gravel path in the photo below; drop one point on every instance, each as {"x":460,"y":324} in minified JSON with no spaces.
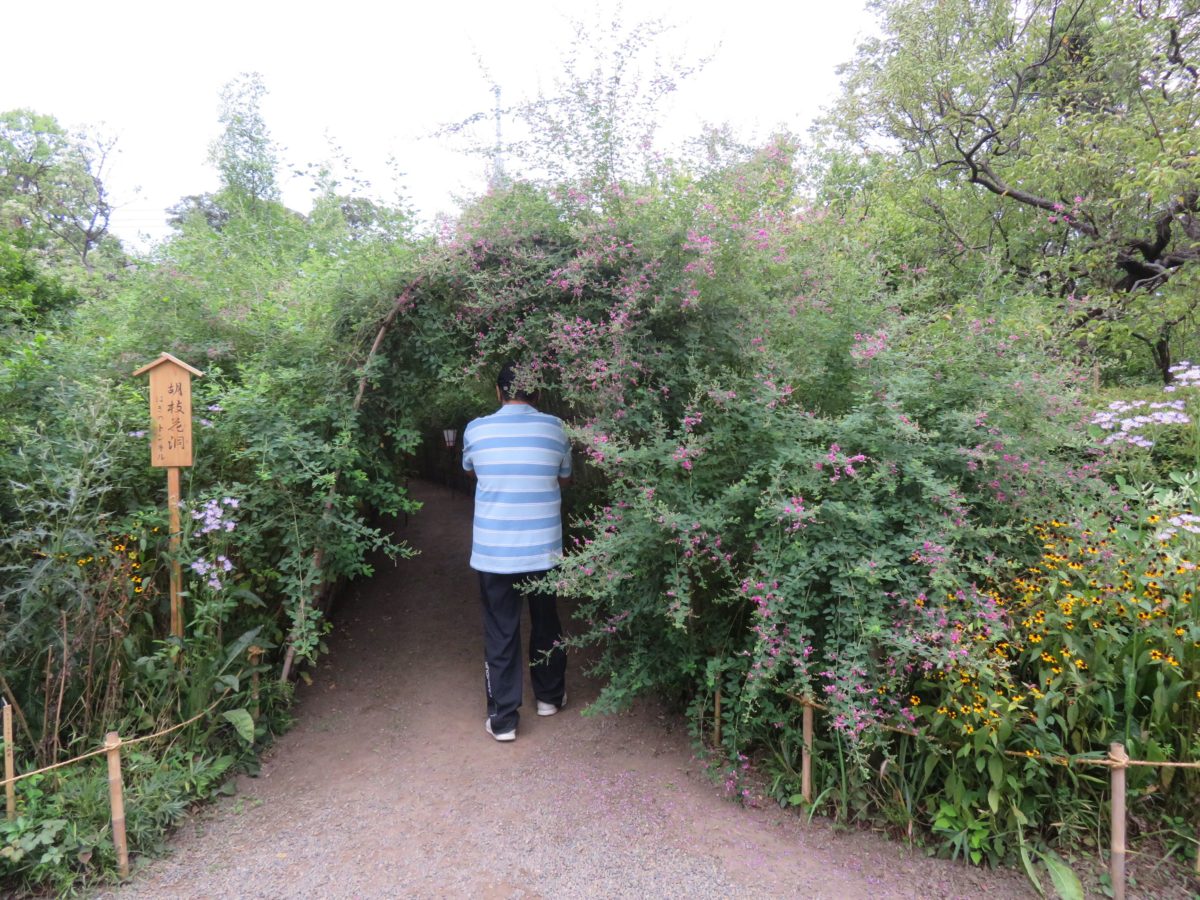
{"x":389,"y":787}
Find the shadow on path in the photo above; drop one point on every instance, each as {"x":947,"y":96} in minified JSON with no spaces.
{"x":388,"y":786}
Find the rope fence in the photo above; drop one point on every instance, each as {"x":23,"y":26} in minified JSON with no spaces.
{"x":112,"y":749}
{"x":1117,"y":761}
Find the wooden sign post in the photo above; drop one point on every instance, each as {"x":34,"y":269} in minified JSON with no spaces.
{"x":10,"y":794}
{"x":171,"y":448}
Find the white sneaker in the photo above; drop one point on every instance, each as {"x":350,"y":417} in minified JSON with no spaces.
{"x":549,"y":709}
{"x":502,"y":736}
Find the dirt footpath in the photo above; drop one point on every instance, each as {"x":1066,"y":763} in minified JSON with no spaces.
{"x":388,"y":786}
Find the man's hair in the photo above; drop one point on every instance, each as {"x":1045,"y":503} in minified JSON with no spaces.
{"x":504,"y":381}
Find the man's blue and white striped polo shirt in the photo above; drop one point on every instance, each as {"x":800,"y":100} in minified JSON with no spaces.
{"x":518,"y":454}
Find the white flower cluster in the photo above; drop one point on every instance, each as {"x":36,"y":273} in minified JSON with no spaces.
{"x":216,"y":515}
{"x":212,"y":570}
{"x":1185,"y":375}
{"x":1181,"y":522}
{"x":1125,"y":428}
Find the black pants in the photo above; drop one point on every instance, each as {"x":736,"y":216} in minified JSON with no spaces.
{"x":502,"y":670}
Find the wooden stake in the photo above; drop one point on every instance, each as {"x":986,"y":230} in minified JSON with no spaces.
{"x":1116,"y":752}
{"x":256,"y":653}
{"x":10,"y":789}
{"x":806,"y":755}
{"x":176,"y":569}
{"x":717,"y":720}
{"x":116,"y":796}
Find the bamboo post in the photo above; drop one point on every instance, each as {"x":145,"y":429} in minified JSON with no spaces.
{"x":176,"y":568}
{"x":1116,"y":753}
{"x":806,"y":754}
{"x":717,"y":719}
{"x":10,"y":788}
{"x":256,"y":653}
{"x":116,"y":796}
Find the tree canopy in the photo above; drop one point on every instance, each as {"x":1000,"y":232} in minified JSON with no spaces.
{"x":1071,"y":126}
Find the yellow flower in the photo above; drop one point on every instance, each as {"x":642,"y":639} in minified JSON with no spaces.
{"x":914,"y":700}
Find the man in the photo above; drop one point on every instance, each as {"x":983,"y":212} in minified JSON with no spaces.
{"x":520,"y":458}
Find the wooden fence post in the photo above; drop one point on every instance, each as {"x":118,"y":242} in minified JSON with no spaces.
{"x":806,"y":754}
{"x":10,"y":789}
{"x":1116,"y":753}
{"x":116,"y":796}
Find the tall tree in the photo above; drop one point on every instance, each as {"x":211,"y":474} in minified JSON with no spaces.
{"x":245,"y":154}
{"x":1072,"y":122}
{"x":596,"y":125}
{"x":52,"y":190}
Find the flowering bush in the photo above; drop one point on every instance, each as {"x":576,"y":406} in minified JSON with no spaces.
{"x":800,"y":490}
{"x":805,"y":485}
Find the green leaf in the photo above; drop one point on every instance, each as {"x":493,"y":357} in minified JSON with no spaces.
{"x":996,"y":770}
{"x":1030,"y":871}
{"x":242,"y":721}
{"x":229,"y":681}
{"x":1066,"y":882}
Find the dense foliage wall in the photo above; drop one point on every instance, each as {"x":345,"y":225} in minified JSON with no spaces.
{"x":279,"y":311}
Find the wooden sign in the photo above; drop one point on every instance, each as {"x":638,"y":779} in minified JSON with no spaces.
{"x":170,"y":411}
{"x":171,"y":448}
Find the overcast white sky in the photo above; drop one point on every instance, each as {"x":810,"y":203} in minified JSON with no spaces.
{"x":377,"y":78}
